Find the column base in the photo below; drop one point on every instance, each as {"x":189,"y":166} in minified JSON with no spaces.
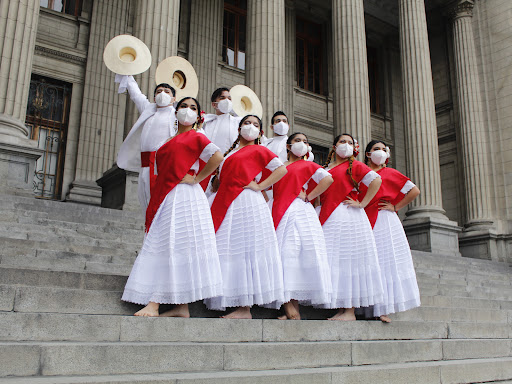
{"x":432,"y":234}
{"x":85,"y":192}
{"x":119,"y":189}
{"x":483,"y":243}
{"x":17,"y":163}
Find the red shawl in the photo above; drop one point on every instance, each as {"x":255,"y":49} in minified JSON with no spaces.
{"x":289,"y":187}
{"x":342,"y":187}
{"x":238,"y":170}
{"x":174,"y":159}
{"x":392,"y":183}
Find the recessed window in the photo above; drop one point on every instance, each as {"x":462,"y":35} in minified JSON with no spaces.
{"x":234,"y":33}
{"x":309,"y":55}
{"x":71,"y":7}
{"x":373,"y":80}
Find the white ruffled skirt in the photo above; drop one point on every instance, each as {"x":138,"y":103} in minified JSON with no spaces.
{"x":397,"y":269}
{"x":249,"y":256}
{"x":301,"y":243}
{"x":178,"y":262}
{"x":352,"y":254}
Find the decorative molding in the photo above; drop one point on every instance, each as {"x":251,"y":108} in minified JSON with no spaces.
{"x":459,"y":8}
{"x":314,"y":123}
{"x":49,"y":52}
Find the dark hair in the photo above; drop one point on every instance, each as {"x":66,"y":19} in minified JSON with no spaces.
{"x":165,"y":85}
{"x":246,"y":117}
{"x":216,"y":94}
{"x":198,"y":107}
{"x":350,"y":159}
{"x":238,"y":138}
{"x":292,"y":136}
{"x":369,"y":148}
{"x":278,"y":113}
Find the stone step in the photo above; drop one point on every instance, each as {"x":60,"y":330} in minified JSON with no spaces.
{"x":94,"y":358}
{"x":438,"y":372}
{"x":19,"y":326}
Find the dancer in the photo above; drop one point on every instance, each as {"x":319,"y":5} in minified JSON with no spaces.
{"x":178,"y":263}
{"x":154,"y":126}
{"x":397,"y":269}
{"x":355,"y":273}
{"x":280,"y":127}
{"x":246,"y":241}
{"x":300,"y":237}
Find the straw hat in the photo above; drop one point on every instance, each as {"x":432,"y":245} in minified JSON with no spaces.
{"x":127,"y":55}
{"x":179,"y":73}
{"x":245,"y":101}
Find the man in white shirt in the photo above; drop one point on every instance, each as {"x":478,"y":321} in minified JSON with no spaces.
{"x":280,"y":127}
{"x":155,"y":125}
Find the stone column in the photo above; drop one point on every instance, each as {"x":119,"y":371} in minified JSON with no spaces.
{"x":265,"y":73}
{"x":291,"y":73}
{"x":351,"y":89}
{"x":472,"y":134}
{"x":205,"y":46}
{"x":101,"y":123}
{"x":427,"y":226}
{"x":18,"y":153}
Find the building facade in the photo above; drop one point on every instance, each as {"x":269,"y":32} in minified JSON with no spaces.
{"x":432,"y":78}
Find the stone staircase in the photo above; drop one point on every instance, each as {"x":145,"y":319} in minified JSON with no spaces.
{"x":63,"y":267}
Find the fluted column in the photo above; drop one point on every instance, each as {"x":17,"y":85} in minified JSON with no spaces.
{"x":265,"y":72}
{"x":429,"y":228}
{"x":205,"y":45}
{"x":18,"y":28}
{"x":156,"y":24}
{"x":101,"y":123}
{"x":351,"y":89}
{"x":291,"y":74}
{"x":18,"y":153}
{"x":470,"y":117}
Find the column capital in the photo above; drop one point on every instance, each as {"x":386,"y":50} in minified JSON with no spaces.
{"x":460,"y":8}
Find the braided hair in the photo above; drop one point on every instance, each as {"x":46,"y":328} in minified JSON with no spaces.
{"x":196,"y":125}
{"x":350,"y":159}
{"x":257,"y":141}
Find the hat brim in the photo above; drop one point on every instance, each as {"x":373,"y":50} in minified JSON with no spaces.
{"x":179,"y":73}
{"x":245,"y":101}
{"x":127,"y":55}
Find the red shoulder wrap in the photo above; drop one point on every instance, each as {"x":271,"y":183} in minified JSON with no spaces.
{"x":289,"y":187}
{"x":392,"y":183}
{"x":341,"y":188}
{"x":174,"y":159}
{"x":238,"y":171}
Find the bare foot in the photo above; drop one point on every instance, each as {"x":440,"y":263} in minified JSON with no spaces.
{"x":347,"y":315}
{"x":239,"y":313}
{"x":284,"y":317}
{"x":292,"y":312}
{"x":180,"y":310}
{"x":150,"y":310}
{"x":385,"y":319}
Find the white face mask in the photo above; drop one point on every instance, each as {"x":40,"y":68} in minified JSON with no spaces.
{"x":281,"y":128}
{"x":186,"y":116}
{"x":225,"y":105}
{"x":163,"y":99}
{"x":299,"y":149}
{"x":379,"y":157}
{"x":249,"y":132}
{"x":344,"y":150}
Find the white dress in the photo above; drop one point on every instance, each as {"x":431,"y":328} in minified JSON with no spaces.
{"x":352,"y":254}
{"x":398,"y":276}
{"x":178,"y":262}
{"x":301,"y":242}
{"x":249,"y":256}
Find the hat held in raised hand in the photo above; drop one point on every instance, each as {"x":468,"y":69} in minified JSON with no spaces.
{"x":127,"y":55}
{"x":245,"y":101}
{"x":179,"y":73}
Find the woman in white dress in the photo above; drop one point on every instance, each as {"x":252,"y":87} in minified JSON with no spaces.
{"x":178,"y":263}
{"x":300,"y":237}
{"x":397,"y":269}
{"x":246,"y":240}
{"x":355,"y":272}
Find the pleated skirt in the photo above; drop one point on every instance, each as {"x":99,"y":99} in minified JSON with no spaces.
{"x":249,"y":256}
{"x":178,"y":262}
{"x":352,"y":255}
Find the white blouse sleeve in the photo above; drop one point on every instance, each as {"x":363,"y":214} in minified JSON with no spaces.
{"x":319,"y":175}
{"x":369,"y":177}
{"x":407,"y":187}
{"x":274,"y":164}
{"x":208,"y":152}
